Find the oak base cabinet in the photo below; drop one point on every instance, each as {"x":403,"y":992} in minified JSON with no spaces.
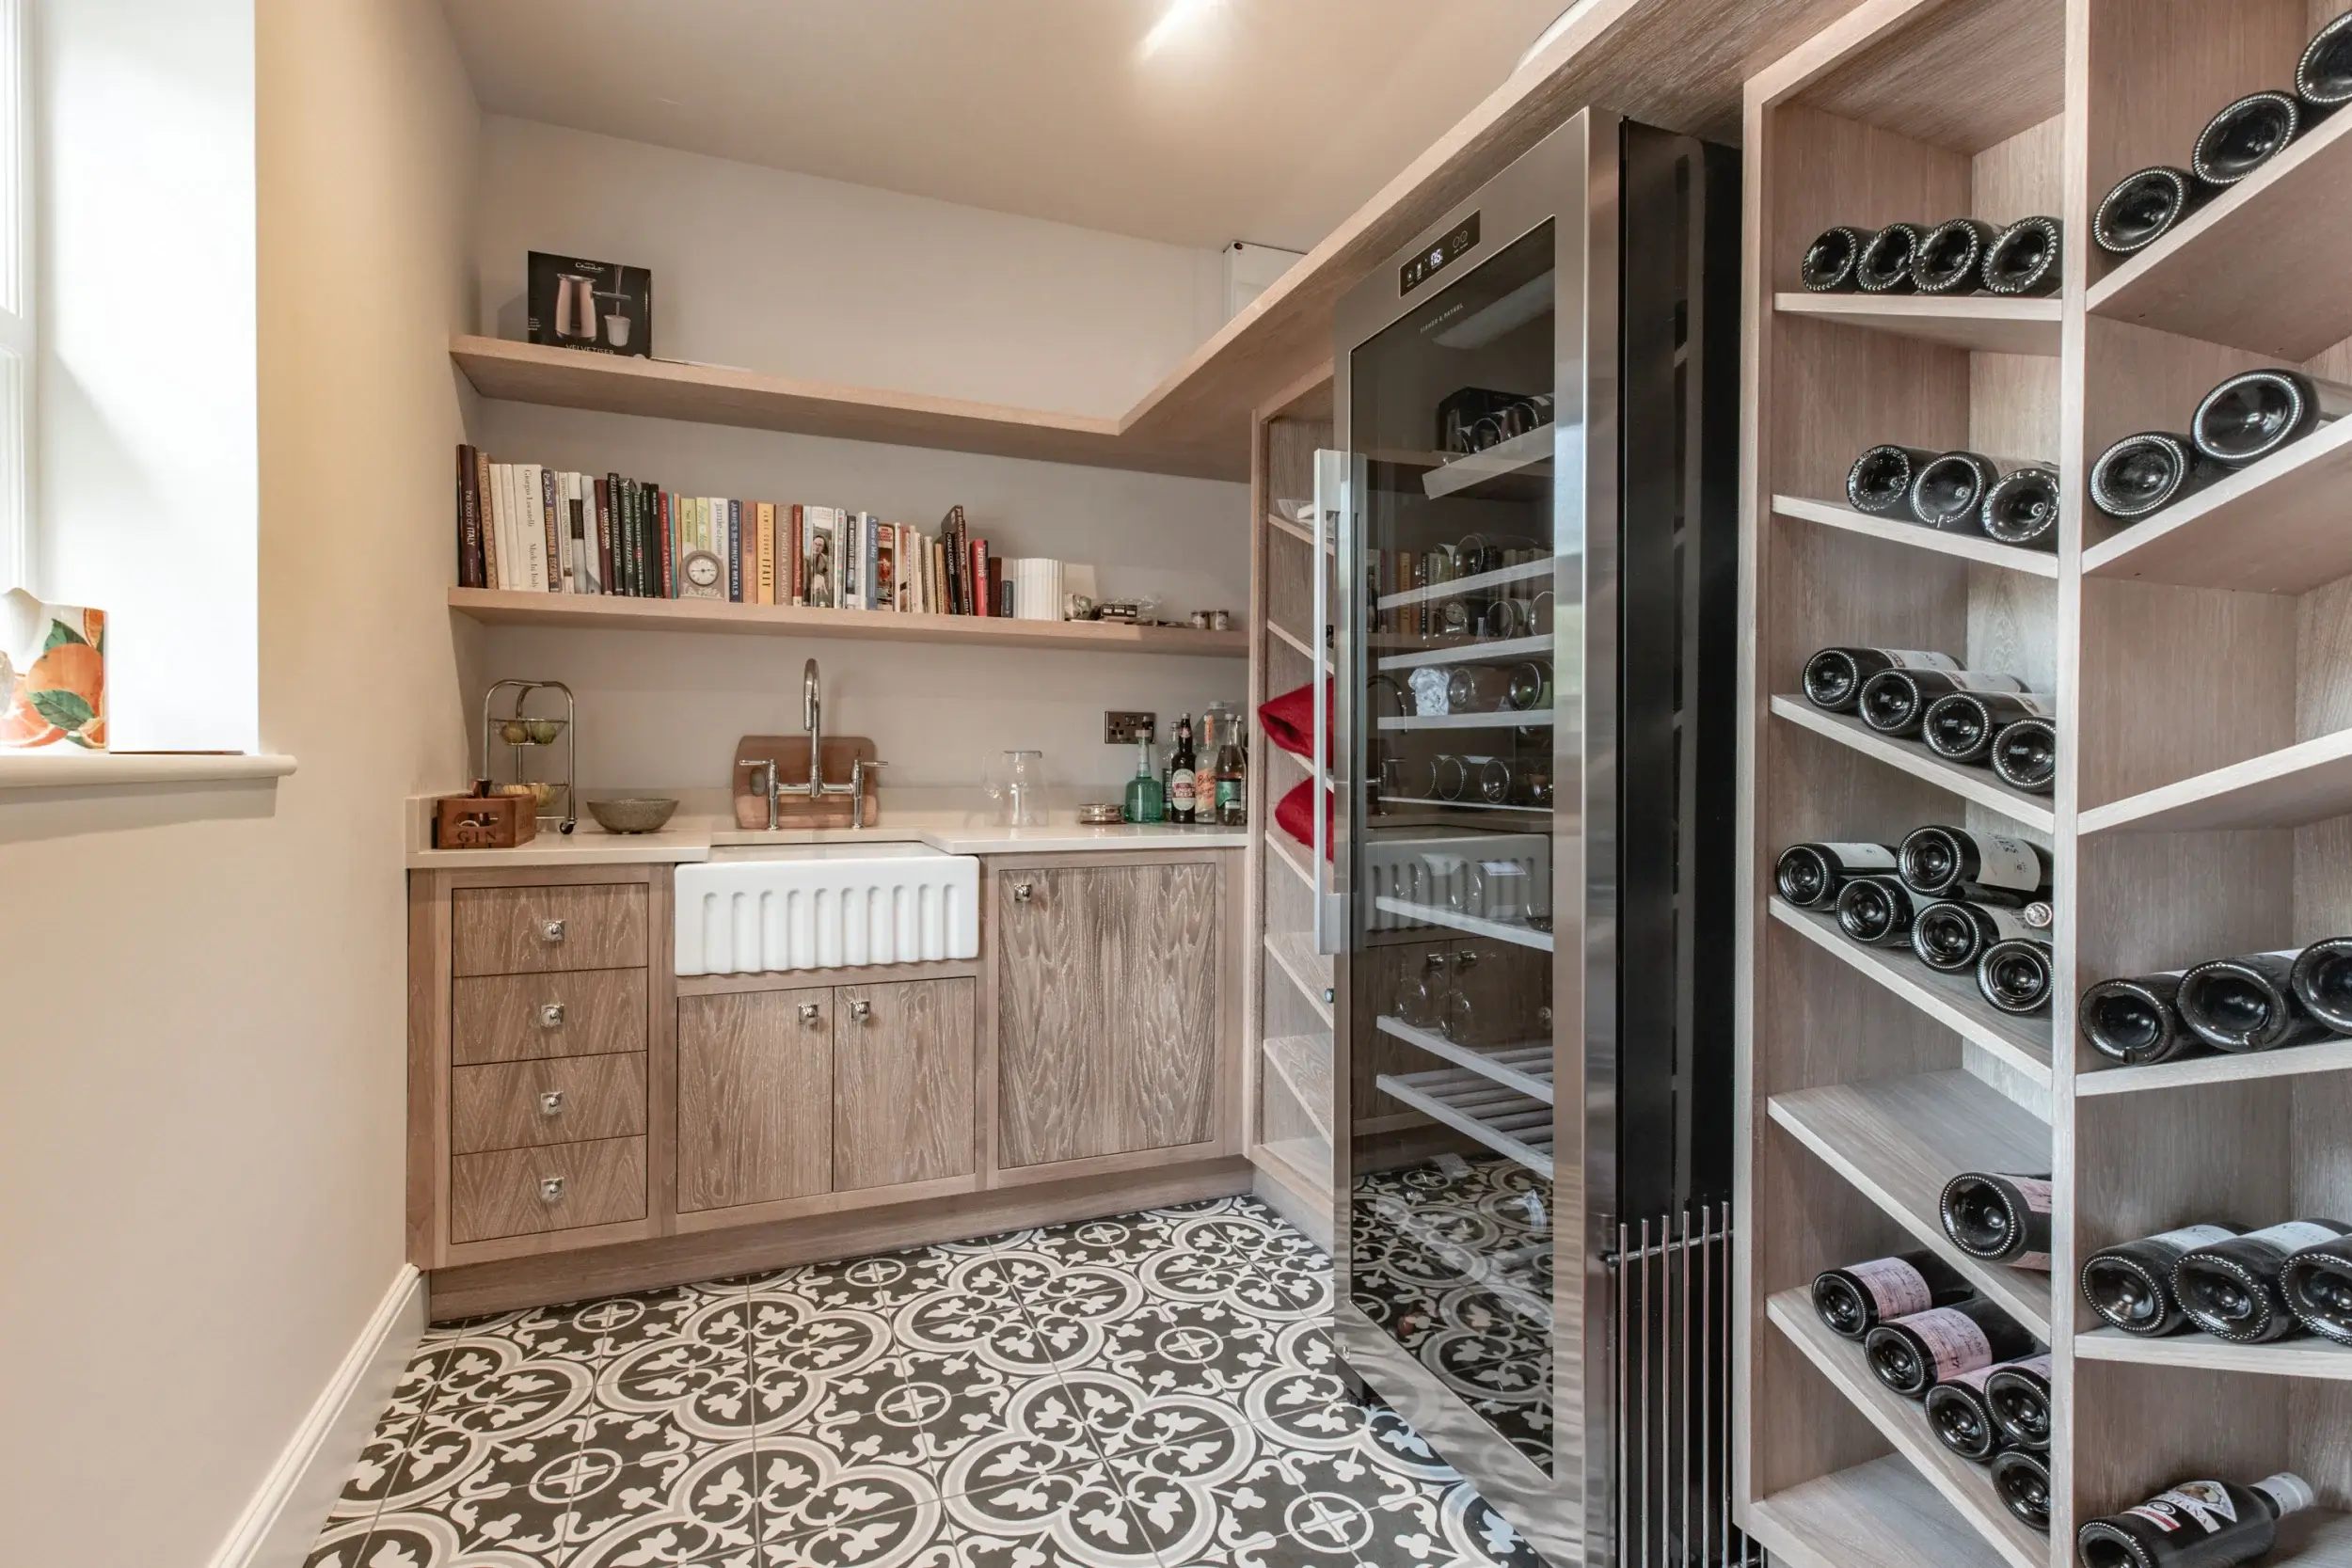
{"x":754,"y":1098}
{"x":902,"y":1076}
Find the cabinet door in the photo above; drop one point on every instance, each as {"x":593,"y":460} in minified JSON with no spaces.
{"x":1163,"y":983}
{"x":901,"y":1083}
{"x":754,"y":1097}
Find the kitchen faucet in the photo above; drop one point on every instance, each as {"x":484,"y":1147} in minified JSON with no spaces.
{"x":813,"y":720}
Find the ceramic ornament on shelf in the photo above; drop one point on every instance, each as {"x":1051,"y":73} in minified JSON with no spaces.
{"x":53,"y":674}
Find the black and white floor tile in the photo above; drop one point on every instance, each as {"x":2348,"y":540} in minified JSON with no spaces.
{"x":1150,"y":1391}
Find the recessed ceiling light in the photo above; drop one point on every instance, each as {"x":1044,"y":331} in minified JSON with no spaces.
{"x":1551,"y":35}
{"x":1179,"y":15}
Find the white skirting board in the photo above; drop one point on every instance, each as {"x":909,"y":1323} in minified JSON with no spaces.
{"x":282,"y":1521}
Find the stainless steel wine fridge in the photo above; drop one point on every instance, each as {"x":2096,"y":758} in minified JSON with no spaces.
{"x":1532,"y":522}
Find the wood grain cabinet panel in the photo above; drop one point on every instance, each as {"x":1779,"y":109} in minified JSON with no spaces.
{"x":533,"y":930}
{"x":561,"y":1101}
{"x":754,"y":1097}
{"x":514,"y":1017}
{"x":518,"y":1192}
{"x":902,"y":1080}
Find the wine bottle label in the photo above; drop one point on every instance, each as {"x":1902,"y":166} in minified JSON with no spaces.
{"x":1972,"y":680}
{"x":1181,"y":789}
{"x":2006,"y":862}
{"x":1895,"y":1287}
{"x":1861,"y":857}
{"x":1975,"y":1377}
{"x":2295,"y":1235}
{"x":2038,"y":1365}
{"x":1917,"y":658}
{"x":2207,"y":1502}
{"x":2035,"y":1191}
{"x":2190,"y":1237}
{"x":1955,"y":1341}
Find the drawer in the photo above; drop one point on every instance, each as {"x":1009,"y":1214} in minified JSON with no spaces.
{"x":533,"y":930}
{"x":517,"y":1017}
{"x":521,"y":1191}
{"x":563,"y":1100}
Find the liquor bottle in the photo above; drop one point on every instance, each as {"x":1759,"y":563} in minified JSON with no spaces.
{"x":2229,"y":1289}
{"x":2130,"y":1284}
{"x":2001,"y":1219}
{"x":2323,"y":77}
{"x":2322,"y":978}
{"x":2253,"y":413}
{"x":2318,"y":1283}
{"x":2023,"y":260}
{"x":2022,"y":508}
{"x":1828,"y":267}
{"x":2196,"y":1524}
{"x":2018,"y":1397}
{"x":1858,"y":1298}
{"x":1949,"y":493}
{"x":1911,"y":1354}
{"x":1951,"y":936}
{"x":1878,"y":483}
{"x":2246,"y":1004}
{"x":2133,"y":1018}
{"x":1232,"y":784}
{"x":2015,"y":975}
{"x":1183,"y":780}
{"x":2144,"y":207}
{"x":1147,"y":801}
{"x":2020,"y":1479}
{"x":2244,"y":137}
{"x":1959,"y":862}
{"x":1895,"y":700}
{"x":2025,"y":755}
{"x":2145,"y":473}
{"x":1962,"y":1419}
{"x":1833,"y":677}
{"x":1884,"y":265}
{"x":1959,"y":726}
{"x":1950,"y":259}
{"x":1811,"y":875}
{"x":1876,"y":910}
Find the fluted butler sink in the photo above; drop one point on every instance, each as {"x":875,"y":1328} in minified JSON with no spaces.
{"x":826,"y":906}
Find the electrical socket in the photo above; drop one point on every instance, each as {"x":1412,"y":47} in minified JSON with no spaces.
{"x":1125,"y":729}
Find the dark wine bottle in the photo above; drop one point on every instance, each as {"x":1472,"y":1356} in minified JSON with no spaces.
{"x":1829,"y":263}
{"x":2022,"y":508}
{"x":2144,"y":207}
{"x":1912,"y":1355}
{"x":1951,"y":257}
{"x":1951,"y":936}
{"x":2323,"y":77}
{"x":2231,"y":1289}
{"x":2145,"y":473}
{"x":2015,"y":975}
{"x":2018,"y":1397}
{"x":2134,"y":1019}
{"x":1810,"y":875}
{"x":1833,"y":676}
{"x":1878,"y":483}
{"x":2318,"y":1283}
{"x":1959,"y":1417}
{"x":1884,"y":267}
{"x":2001,"y":1219}
{"x":1875,"y":910}
{"x":2253,"y":413}
{"x":2322,"y":978}
{"x":2020,"y":1479}
{"x":1959,"y":726}
{"x":1959,"y":862}
{"x":2244,"y":137}
{"x":1948,"y":494}
{"x":2246,"y":1002}
{"x":2196,"y":1524}
{"x":2023,"y":260}
{"x":1858,"y":1298}
{"x":1895,"y":700}
{"x":2025,"y":755}
{"x":2130,"y":1284}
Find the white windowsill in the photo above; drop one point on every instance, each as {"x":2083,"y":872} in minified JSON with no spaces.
{"x":94,"y":771}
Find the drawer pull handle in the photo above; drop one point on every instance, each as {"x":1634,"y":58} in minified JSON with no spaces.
{"x":810,"y":1012}
{"x":861,"y":1011}
{"x":552,"y":1102}
{"x":550,"y":930}
{"x":551,"y":1189}
{"x":551,"y":1015}
{"x":1020,"y":892}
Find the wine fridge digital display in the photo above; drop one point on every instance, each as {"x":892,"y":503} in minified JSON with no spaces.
{"x":1534,"y":508}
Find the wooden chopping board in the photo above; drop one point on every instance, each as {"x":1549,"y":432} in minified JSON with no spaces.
{"x":790,"y":755}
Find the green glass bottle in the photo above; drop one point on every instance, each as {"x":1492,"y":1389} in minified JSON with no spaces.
{"x":1146,"y":800}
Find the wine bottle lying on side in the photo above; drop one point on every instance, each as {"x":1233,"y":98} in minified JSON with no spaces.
{"x":1939,"y":862}
{"x":1811,"y":876}
{"x":1950,"y":493}
{"x":2256,"y":412}
{"x":2143,"y":474}
{"x":2130,"y":1284}
{"x":1884,"y":267}
{"x":1876,"y":910}
{"x":2196,"y":1524}
{"x":2246,"y":1004}
{"x":1858,"y":1298}
{"x":2015,"y":975}
{"x":2021,"y":1477}
{"x":1894,"y":702}
{"x":2134,"y":1019}
{"x":1960,"y":726}
{"x":1950,"y":259}
{"x":1911,"y":1354}
{"x":2023,"y":261}
{"x":2022,"y":508}
{"x":1953,"y":935}
{"x":2323,"y":77}
{"x":1828,"y":267}
{"x":2145,"y":206}
{"x":1833,"y":677}
{"x":2318,"y":1283}
{"x":2018,"y":1395}
{"x":1962,"y":1417}
{"x":2001,"y":1219}
{"x":2231,"y":1288}
{"x":1878,"y":483}
{"x":2322,"y":978}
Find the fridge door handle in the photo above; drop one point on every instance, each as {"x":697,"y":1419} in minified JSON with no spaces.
{"x":1331,"y":502}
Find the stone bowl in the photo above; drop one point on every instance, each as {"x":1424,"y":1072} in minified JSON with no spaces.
{"x":633,"y":815}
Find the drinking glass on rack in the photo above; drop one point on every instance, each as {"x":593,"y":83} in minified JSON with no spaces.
{"x":1445,"y":882}
{"x":1485,"y":552}
{"x":1450,"y":777}
{"x":1420,"y":993}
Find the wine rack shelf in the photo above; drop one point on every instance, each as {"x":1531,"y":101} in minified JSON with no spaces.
{"x":2286,"y":1061}
{"x":2275,"y":526}
{"x":1882,"y":1515}
{"x":1303,"y":1062}
{"x":1526,"y":1070}
{"x":1985,"y":322}
{"x":2290,"y":788}
{"x":1964,"y":547}
{"x":1897,"y":1141}
{"x":1477,"y":582}
{"x":1291,"y":641}
{"x":1524,"y":457}
{"x":1515,"y":1126}
{"x":2301,"y":1358}
{"x":1951,"y":999}
{"x":1300,"y":531}
{"x":1290,"y":854}
{"x":1293,"y":953}
{"x":1491,"y":651}
{"x":1532,"y":718}
{"x":1899,"y":1421}
{"x":1977,"y":785}
{"x":1514,"y":931}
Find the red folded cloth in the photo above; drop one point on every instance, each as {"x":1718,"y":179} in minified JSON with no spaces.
{"x":1294,"y":814}
{"x":1290,"y":720}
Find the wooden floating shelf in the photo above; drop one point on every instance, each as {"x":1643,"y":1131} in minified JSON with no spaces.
{"x":1985,"y":323}
{"x":1882,"y":1515}
{"x":1918,"y":536}
{"x":1964,"y":1486}
{"x":2307,"y":1356}
{"x":2288,"y":788}
{"x":2242,"y":270}
{"x":1969,"y":784}
{"x":1303,"y":1062}
{"x":2275,"y":528}
{"x":501,"y":607}
{"x":1278,"y":845}
{"x":1896,"y":1141}
{"x":1293,"y":953}
{"x":2289,"y":1061}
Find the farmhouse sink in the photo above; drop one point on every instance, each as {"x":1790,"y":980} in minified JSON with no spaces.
{"x":825,"y":906}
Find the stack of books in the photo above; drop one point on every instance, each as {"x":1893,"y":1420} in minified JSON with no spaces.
{"x":525,"y":528}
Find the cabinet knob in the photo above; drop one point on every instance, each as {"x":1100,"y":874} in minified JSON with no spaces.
{"x":551,"y":1189}
{"x":551,"y":1015}
{"x":1466,"y":959}
{"x":552,"y":1102}
{"x":551,"y":931}
{"x":861,"y":1011}
{"x":1021,"y":892}
{"x":810,"y":1012}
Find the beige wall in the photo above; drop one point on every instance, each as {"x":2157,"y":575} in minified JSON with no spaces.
{"x":201,"y":1082}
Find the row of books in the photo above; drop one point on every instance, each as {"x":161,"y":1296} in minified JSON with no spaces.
{"x":526,"y":527}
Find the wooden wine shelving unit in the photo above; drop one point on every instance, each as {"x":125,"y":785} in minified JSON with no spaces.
{"x":2203,"y":662}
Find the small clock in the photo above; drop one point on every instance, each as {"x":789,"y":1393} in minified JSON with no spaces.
{"x":702,"y":576}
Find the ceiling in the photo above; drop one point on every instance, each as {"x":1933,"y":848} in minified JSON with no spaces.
{"x":1265,"y":121}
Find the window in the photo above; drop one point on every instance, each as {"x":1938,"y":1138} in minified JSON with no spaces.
{"x":16,"y":306}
